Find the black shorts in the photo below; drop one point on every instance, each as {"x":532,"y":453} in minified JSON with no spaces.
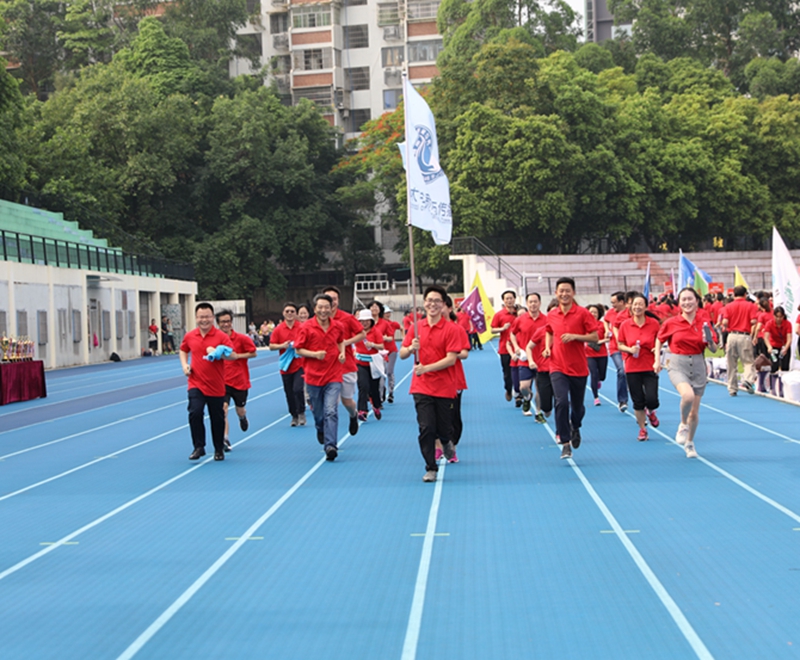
{"x":239,"y":396}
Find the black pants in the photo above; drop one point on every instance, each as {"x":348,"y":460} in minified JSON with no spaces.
{"x":475,"y":341}
{"x":435,"y":419}
{"x":293,"y":389}
{"x":597,"y":372}
{"x":458,"y":425}
{"x":643,"y":386}
{"x":505,"y":363}
{"x":197,"y":403}
{"x":368,"y":388}
{"x":568,"y":391}
{"x":544,"y":390}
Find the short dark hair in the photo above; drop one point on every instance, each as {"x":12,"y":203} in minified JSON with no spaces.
{"x":566,"y":280}
{"x":619,"y":295}
{"x":323,"y":296}
{"x":224,"y":312}
{"x":381,"y":308}
{"x":779,"y":310}
{"x":435,"y":288}
{"x":511,"y":291}
{"x":599,"y":308}
{"x":688,"y":288}
{"x":633,"y":294}
{"x":199,"y":306}
{"x":334,"y":289}
{"x":739,"y":291}
{"x":533,"y":293}
{"x":290,"y":304}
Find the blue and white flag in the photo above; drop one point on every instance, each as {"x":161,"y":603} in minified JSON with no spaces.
{"x":427,"y":185}
{"x":646,"y":290}
{"x":687,"y":272}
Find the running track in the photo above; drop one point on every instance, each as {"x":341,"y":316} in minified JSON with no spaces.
{"x":114,"y":545}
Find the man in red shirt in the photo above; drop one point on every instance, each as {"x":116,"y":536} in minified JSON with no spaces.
{"x":353,"y":333}
{"x":433,"y":381}
{"x":237,"y":374}
{"x":206,"y":381}
{"x":281,"y":340}
{"x":501,"y":325}
{"x":321,"y":342}
{"x":739,"y":322}
{"x":521,"y":333}
{"x":611,"y":316}
{"x":569,"y":327}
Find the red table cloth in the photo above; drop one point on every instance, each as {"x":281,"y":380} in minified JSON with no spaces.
{"x":21,"y":381}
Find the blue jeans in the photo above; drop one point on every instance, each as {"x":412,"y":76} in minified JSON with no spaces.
{"x":325,"y":406}
{"x":622,"y":383}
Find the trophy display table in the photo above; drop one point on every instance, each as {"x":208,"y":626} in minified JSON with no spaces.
{"x":21,"y":381}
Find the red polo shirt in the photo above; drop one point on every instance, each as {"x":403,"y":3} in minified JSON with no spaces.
{"x":524,"y":327}
{"x":778,"y":333}
{"x":611,"y":318}
{"x":208,"y":377}
{"x":629,"y":334}
{"x":374,"y":336}
{"x":740,"y":314}
{"x":434,"y":345}
{"x":464,"y":321}
{"x":498,"y":321}
{"x":570,"y":358}
{"x":394,"y":326}
{"x":283,"y":333}
{"x":237,"y":373}
{"x":351,"y":327}
{"x":542,"y":363}
{"x":683,"y":337}
{"x":313,"y":337}
{"x":458,"y":367}
{"x":601,"y":333}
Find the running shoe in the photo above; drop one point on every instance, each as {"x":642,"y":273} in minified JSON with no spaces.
{"x":508,"y":396}
{"x":331,"y":453}
{"x":390,"y":398}
{"x":690,"y":450}
{"x":682,"y":434}
{"x":642,"y":435}
{"x":540,"y":417}
{"x":623,"y":407}
{"x":748,"y":387}
{"x":449,"y":450}
{"x":439,"y":454}
{"x":576,"y":438}
{"x":243,"y":423}
{"x":527,"y":413}
{"x":226,"y":445}
{"x":651,"y":415}
{"x":353,"y":425}
{"x":321,"y":437}
{"x":362,"y":416}
{"x":518,"y":402}
{"x":301,"y":419}
{"x":526,"y":406}
{"x":377,"y":413}
{"x":294,"y":421}
{"x":453,"y":458}
{"x":430,"y":476}
{"x":566,"y":450}
{"x":219,"y":456}
{"x":597,"y":401}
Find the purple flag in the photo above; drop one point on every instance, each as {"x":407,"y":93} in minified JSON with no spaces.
{"x":473,"y":306}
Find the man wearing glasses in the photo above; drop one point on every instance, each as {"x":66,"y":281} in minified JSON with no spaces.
{"x":237,"y":373}
{"x":433,"y":383}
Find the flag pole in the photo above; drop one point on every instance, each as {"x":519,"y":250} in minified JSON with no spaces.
{"x":408,"y":209}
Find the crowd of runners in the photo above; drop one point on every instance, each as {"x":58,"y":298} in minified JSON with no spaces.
{"x":548,"y":356}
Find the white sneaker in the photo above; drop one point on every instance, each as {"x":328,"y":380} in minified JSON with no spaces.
{"x":690,"y":450}
{"x":682,"y":434}
{"x":527,"y":413}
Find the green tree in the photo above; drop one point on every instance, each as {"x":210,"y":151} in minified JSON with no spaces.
{"x":12,"y":163}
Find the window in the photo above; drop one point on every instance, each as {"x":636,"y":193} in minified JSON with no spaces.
{"x":22,"y":323}
{"x":423,"y":11}
{"x":76,"y":325}
{"x":356,"y":36}
{"x":279,"y":23}
{"x":119,"y":321}
{"x":281,"y":65}
{"x":356,"y":78}
{"x":392,"y":56}
{"x":313,"y":59}
{"x":392,"y":98}
{"x":41,"y":327}
{"x":358,"y":118}
{"x":320,"y":95}
{"x":424,"y":51}
{"x":388,"y":14}
{"x":354,"y":3}
{"x":248,"y":46}
{"x":309,"y":16}
{"x":253,"y":7}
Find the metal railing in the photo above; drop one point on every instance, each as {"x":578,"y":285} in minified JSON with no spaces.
{"x":472,"y":245}
{"x":27,"y":249}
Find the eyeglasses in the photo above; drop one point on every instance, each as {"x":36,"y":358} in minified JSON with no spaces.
{"x":434,"y":301}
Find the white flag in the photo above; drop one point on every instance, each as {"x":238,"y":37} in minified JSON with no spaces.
{"x":785,"y":284}
{"x":427,"y":185}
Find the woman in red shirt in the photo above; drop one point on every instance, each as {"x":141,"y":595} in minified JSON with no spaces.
{"x":369,"y":387}
{"x":636,"y":341}
{"x":388,"y":329}
{"x":687,"y":334}
{"x":778,"y":341}
{"x":597,"y":353}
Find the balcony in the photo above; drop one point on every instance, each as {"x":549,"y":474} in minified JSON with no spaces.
{"x":280,"y":41}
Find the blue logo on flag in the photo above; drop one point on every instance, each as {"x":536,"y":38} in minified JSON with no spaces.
{"x":423,"y":152}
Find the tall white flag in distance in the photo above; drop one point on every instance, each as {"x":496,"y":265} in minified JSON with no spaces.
{"x":785,"y":284}
{"x":427,"y":185}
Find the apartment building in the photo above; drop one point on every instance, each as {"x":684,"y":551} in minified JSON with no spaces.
{"x":345,"y":56}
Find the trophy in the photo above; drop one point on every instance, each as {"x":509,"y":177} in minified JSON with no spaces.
{"x":4,"y":344}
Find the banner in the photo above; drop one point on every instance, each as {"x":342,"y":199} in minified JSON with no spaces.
{"x":738,"y":280}
{"x":488,"y":310}
{"x":690,"y":275}
{"x":785,"y":286}
{"x":426,"y":183}
{"x":473,"y":307}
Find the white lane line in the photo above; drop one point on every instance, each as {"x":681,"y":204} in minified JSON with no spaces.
{"x":107,"y":456}
{"x":110,"y":405}
{"x":69,"y":537}
{"x":655,"y":584}
{"x":421,"y":585}
{"x":738,"y":419}
{"x":184,"y":598}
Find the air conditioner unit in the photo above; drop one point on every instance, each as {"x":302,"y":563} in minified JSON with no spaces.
{"x":391,"y":33}
{"x":393,"y":77}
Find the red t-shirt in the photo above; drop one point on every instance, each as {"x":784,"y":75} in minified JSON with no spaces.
{"x":374,"y":336}
{"x":601,"y":333}
{"x":313,"y":337}
{"x":393,"y":327}
{"x":611,"y":318}
{"x":524,"y":327}
{"x":542,"y":362}
{"x":570,"y":358}
{"x":351,"y":327}
{"x":629,"y":334}
{"x":763,"y":318}
{"x":206,"y":376}
{"x":498,"y":321}
{"x":683,"y":337}
{"x":458,"y":368}
{"x":740,"y":314}
{"x":237,"y":373}
{"x":464,"y":321}
{"x":434,"y":345}
{"x":283,"y":333}
{"x":778,"y":333}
